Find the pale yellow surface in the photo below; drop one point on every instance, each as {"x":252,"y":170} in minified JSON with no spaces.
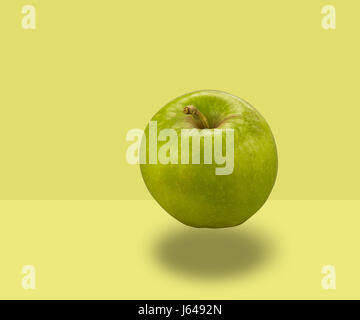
{"x":92,"y":70}
{"x":134,"y":250}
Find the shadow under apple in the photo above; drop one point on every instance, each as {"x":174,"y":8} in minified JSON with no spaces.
{"x":214,"y":252}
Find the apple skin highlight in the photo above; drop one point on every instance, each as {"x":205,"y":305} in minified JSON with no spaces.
{"x":193,"y":193}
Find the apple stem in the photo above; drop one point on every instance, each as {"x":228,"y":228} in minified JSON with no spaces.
{"x":197,"y":115}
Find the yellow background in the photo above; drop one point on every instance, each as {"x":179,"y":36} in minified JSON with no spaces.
{"x":92,"y":70}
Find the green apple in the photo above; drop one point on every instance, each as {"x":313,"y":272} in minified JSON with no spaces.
{"x":200,"y":194}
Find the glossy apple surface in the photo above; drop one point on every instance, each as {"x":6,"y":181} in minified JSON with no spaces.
{"x":193,"y":193}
